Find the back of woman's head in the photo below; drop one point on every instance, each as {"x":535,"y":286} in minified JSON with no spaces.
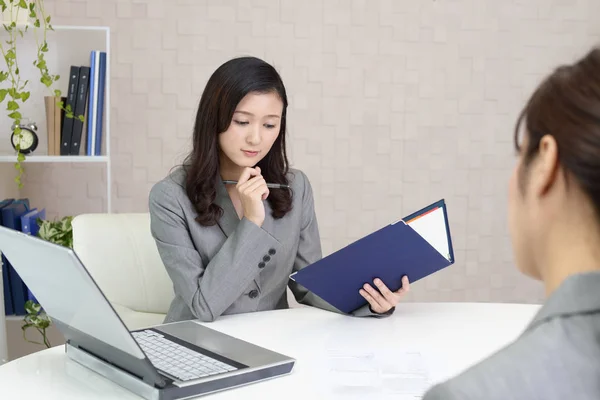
{"x":226,"y":87}
{"x":566,"y":106}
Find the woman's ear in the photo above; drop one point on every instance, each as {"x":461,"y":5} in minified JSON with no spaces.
{"x":545,"y":167}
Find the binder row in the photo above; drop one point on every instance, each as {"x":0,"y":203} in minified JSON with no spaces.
{"x":85,"y":96}
{"x":17,"y":214}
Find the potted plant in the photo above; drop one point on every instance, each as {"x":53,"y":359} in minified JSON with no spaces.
{"x":17,"y":17}
{"x":59,"y":232}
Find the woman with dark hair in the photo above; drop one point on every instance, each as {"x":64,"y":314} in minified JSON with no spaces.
{"x":554,"y":204}
{"x":235,"y":221}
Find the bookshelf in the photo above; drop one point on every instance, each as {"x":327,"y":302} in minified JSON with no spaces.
{"x":68,"y":45}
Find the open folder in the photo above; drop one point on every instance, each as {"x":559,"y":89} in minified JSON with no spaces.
{"x":416,"y":246}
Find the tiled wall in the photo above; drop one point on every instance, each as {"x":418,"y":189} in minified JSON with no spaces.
{"x":393,"y":105}
{"x":8,"y":187}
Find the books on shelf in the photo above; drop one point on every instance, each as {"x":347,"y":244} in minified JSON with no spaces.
{"x":54,"y":118}
{"x":97,"y":85}
{"x":71,"y":136}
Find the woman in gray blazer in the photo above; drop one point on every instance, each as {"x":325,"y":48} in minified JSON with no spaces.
{"x":554,"y":218}
{"x":234,"y":220}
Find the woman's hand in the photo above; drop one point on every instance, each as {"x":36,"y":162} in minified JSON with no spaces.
{"x":252,"y":189}
{"x":383,"y":299}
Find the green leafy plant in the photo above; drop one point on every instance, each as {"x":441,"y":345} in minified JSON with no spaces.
{"x":17,"y":87}
{"x":38,"y":319}
{"x":59,"y":232}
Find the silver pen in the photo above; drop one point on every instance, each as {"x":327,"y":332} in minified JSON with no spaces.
{"x":269,"y":185}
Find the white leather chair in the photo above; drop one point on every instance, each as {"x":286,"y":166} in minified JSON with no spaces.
{"x":121,"y":255}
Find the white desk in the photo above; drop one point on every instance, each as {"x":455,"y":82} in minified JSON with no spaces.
{"x":449,"y":336}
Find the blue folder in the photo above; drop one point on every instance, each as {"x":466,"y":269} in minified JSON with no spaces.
{"x":11,"y":218}
{"x":388,"y":253}
{"x":30,"y":226}
{"x":8,"y":302}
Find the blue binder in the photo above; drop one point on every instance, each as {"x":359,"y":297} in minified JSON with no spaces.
{"x":389,"y":253}
{"x":8,"y":303}
{"x":29,"y":223}
{"x":30,"y":226}
{"x":11,"y":218}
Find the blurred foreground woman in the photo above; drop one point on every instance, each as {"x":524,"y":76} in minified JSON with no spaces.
{"x":554,"y":216}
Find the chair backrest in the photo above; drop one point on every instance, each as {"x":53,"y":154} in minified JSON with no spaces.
{"x":121,"y":255}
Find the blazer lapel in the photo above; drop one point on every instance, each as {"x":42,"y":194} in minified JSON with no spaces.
{"x":229,"y":220}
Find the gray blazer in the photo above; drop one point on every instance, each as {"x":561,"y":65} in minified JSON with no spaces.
{"x":556,"y":358}
{"x":234,"y":266}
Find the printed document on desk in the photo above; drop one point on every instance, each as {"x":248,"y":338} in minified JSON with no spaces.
{"x":417,"y":246}
{"x":353,"y":361}
{"x":381,"y":374}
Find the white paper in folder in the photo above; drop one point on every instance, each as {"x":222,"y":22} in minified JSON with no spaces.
{"x":432,"y":227}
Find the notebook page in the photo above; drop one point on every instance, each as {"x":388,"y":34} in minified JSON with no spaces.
{"x":432,"y":227}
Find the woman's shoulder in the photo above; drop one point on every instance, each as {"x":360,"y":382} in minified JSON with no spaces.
{"x":171,"y":187}
{"x":299,"y":183}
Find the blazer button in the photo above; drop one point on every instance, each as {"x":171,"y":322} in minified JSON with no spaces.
{"x":266,"y":258}
{"x":272,"y":251}
{"x":261,"y":264}
{"x":253,"y":294}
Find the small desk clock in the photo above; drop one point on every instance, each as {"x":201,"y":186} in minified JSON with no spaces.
{"x":29,"y":138}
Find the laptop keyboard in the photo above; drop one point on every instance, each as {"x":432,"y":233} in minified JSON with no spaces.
{"x":177,"y":360}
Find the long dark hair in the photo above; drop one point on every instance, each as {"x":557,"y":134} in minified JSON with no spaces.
{"x":224,"y":90}
{"x":566,"y":105}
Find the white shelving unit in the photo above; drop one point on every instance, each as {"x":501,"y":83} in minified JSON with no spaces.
{"x":68,"y":45}
{"x":57,"y":159}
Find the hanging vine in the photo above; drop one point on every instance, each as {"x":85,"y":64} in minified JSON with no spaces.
{"x":16,"y":94}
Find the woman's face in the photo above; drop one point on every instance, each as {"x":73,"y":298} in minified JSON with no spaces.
{"x":253,"y":130}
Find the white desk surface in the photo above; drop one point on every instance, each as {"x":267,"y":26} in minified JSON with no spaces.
{"x":449,"y":336}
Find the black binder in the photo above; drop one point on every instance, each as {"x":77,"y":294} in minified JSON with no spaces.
{"x":80,"y":104}
{"x":67,"y":128}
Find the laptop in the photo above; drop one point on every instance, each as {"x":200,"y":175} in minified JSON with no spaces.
{"x":168,"y":361}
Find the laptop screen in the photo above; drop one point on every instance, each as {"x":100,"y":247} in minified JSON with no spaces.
{"x":65,"y":290}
